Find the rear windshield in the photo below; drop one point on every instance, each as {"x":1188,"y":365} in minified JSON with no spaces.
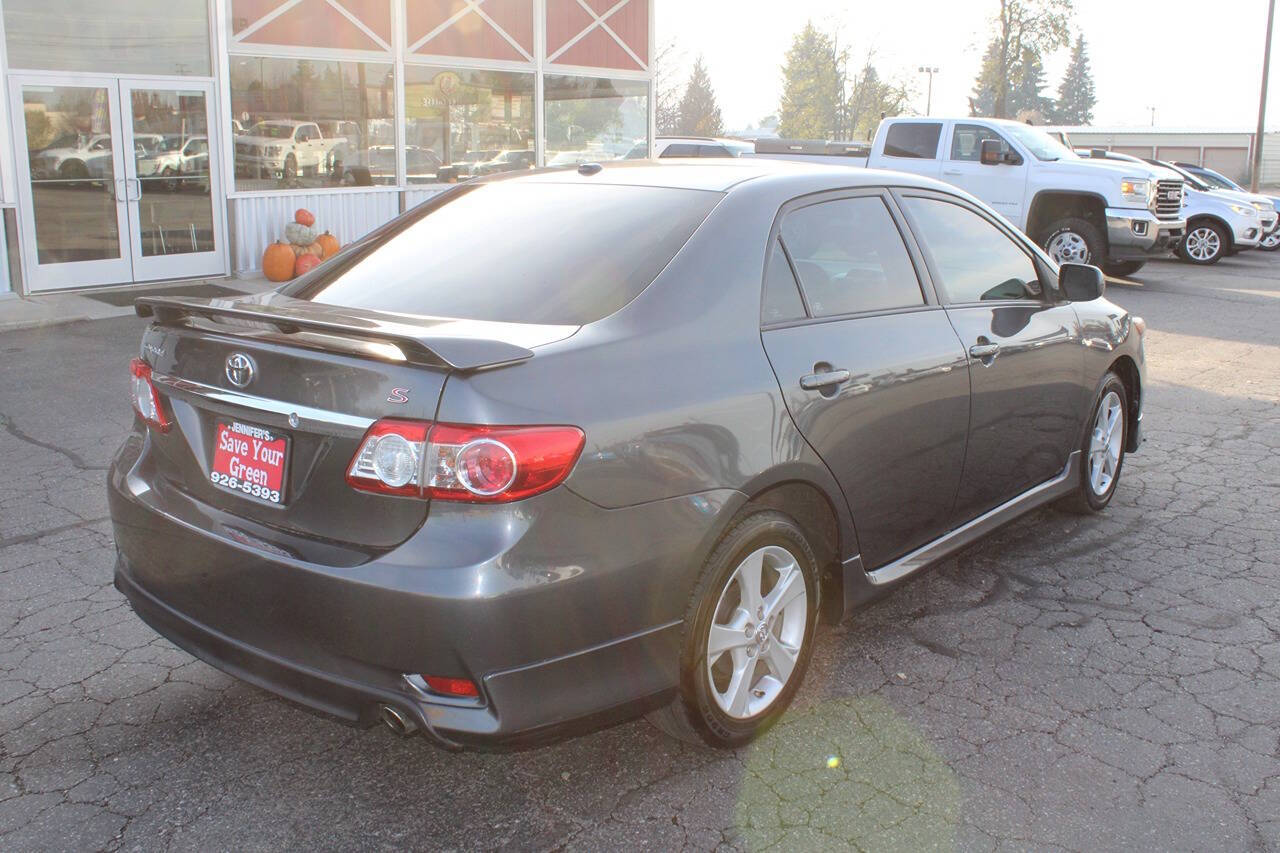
{"x":520,"y":253}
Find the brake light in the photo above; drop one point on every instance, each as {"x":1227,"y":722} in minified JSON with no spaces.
{"x":452,"y":686}
{"x":457,"y":462}
{"x":146,"y":401}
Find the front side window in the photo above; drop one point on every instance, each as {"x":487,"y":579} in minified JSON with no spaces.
{"x":850,"y":257}
{"x":916,"y":140}
{"x":975,"y":260}
{"x":458,"y":119}
{"x":966,"y":142}
{"x":311,"y":123}
{"x":594,"y":119}
{"x":485,"y":253}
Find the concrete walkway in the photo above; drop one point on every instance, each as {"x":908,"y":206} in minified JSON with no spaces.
{"x":47,"y":309}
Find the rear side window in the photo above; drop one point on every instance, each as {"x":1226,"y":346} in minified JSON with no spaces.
{"x":680,"y":149}
{"x":781,"y":294}
{"x":850,"y":257}
{"x":520,"y":253}
{"x":713,"y":151}
{"x":918,"y":140}
{"x":976,"y":261}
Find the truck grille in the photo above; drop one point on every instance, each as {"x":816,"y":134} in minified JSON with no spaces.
{"x":1168,"y":199}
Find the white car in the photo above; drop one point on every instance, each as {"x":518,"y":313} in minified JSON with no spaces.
{"x":665,"y":147}
{"x":286,"y":149}
{"x":89,"y":157}
{"x":1221,"y":222}
{"x":176,"y":159}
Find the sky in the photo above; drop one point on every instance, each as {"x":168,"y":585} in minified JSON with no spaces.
{"x":1197,"y":64}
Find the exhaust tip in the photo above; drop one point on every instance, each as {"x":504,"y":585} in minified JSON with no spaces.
{"x":396,"y":720}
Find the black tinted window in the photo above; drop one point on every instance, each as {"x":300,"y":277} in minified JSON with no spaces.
{"x":680,"y":149}
{"x":913,"y":139}
{"x":781,"y":295}
{"x":713,"y":151}
{"x":850,"y":257}
{"x":976,"y":261}
{"x":519,"y":252}
{"x":966,"y":142}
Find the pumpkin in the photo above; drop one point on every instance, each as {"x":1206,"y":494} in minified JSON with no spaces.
{"x":329,"y":244}
{"x":314,"y":249}
{"x":299,"y":234}
{"x":305,"y":264}
{"x":302,"y":216}
{"x":278,"y":262}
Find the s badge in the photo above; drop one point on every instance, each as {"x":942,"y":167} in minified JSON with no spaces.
{"x":398,"y":395}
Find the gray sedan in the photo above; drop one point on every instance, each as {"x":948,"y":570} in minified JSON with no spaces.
{"x":554,"y":450}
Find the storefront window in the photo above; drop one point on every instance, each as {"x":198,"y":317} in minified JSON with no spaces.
{"x":461,"y":123}
{"x":590,"y":119}
{"x":301,"y":123}
{"x":119,"y":37}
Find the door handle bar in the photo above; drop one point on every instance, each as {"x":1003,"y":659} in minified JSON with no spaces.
{"x":984,"y":350}
{"x":814,"y":381}
{"x":137,"y":182}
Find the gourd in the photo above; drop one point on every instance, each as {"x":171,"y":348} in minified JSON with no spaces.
{"x":278,"y":262}
{"x":302,"y":216}
{"x":305,"y":264}
{"x":299,"y":234}
{"x":329,"y":245}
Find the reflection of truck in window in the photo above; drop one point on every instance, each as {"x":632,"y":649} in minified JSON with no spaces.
{"x":285,"y":149}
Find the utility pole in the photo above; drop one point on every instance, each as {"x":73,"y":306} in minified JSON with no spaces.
{"x":1255,"y":172}
{"x":932,"y":70}
{"x":1153,"y":116}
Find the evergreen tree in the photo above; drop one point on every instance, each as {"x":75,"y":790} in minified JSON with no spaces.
{"x":1025,"y":100}
{"x":699,"y":112}
{"x":1039,"y":26}
{"x":983,"y":100}
{"x":1076,"y":97}
{"x":813,"y":83}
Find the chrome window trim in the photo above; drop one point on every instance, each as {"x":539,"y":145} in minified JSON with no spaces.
{"x":306,"y":416}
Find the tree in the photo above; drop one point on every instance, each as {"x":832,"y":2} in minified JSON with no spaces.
{"x":1025,"y":100}
{"x":983,"y":100}
{"x":813,"y":86}
{"x":1038,"y":26}
{"x":699,"y":112}
{"x":667,"y":88}
{"x":870,"y":97}
{"x":1076,"y":97}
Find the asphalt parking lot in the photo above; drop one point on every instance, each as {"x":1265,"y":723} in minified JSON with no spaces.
{"x":1102,"y":683}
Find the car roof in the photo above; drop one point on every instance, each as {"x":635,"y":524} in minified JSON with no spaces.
{"x":723,"y":175}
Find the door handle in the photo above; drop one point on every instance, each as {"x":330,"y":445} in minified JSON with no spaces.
{"x":118,"y":194}
{"x":953,"y":173}
{"x":984,"y":351}
{"x":137,"y":183}
{"x":815,"y":381}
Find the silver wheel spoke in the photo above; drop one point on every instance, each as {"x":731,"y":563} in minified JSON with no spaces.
{"x":781,"y":659}
{"x":789,"y":587}
{"x":748,"y":576}
{"x":738,"y":693}
{"x":725,"y":637}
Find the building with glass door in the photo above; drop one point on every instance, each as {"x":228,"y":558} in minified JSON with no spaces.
{"x":155,"y":139}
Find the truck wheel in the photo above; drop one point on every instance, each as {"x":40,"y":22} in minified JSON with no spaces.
{"x":290,"y":169}
{"x":1074,"y":241}
{"x":1120,"y":269}
{"x":1206,"y":243}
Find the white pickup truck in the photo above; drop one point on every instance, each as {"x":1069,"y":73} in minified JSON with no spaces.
{"x":1114,"y":215}
{"x":285,"y":149}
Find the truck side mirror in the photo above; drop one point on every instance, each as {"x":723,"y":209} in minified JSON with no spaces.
{"x":992,"y":152}
{"x":1081,"y":282}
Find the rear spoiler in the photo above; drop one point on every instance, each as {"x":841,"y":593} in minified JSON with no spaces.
{"x":417,"y":343}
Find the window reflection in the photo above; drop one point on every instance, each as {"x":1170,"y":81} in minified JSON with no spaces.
{"x":306,"y":124}
{"x":590,"y":119}
{"x":462,"y":123}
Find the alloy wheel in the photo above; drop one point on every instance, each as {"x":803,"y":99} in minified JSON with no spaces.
{"x":1068,"y":247}
{"x":1105,"y":445}
{"x":757,"y":631}
{"x":1272,"y":240}
{"x":1203,"y":243}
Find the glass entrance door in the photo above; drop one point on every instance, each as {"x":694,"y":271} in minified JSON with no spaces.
{"x":72,"y":181}
{"x":119,"y":181}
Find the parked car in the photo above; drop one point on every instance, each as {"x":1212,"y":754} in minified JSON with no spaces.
{"x":506,"y":161}
{"x":1220,"y":222}
{"x":421,"y":164}
{"x":690,"y":146}
{"x":494,"y":489}
{"x":1217,"y":180}
{"x":74,"y":158}
{"x":285,"y":149}
{"x":1084,"y":211}
{"x":175,"y":160}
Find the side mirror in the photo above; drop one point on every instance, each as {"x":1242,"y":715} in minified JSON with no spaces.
{"x":992,"y":152}
{"x":1081,"y":282}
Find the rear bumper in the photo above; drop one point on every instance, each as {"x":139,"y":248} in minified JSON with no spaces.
{"x":1135,"y":234}
{"x":564,"y":614}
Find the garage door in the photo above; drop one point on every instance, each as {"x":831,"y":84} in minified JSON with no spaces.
{"x":1232,"y":162}
{"x":1143,"y":151}
{"x":1179,"y":153}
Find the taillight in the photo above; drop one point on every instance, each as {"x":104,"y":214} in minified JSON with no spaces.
{"x":146,"y":402}
{"x":456,"y":462}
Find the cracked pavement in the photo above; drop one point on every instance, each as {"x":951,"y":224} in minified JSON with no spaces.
{"x":1068,"y":683}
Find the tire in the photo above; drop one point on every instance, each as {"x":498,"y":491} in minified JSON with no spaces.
{"x":1073,"y":240}
{"x":73,"y":170}
{"x":708,"y":710}
{"x":1121,"y":269}
{"x":170,"y":182}
{"x":1206,"y":243}
{"x":1271,"y":242}
{"x":290,"y":172}
{"x":1102,"y":447}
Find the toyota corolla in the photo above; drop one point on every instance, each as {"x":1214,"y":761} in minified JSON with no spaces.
{"x":561,"y":449}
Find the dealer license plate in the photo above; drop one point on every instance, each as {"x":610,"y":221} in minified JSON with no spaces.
{"x":249,"y":460}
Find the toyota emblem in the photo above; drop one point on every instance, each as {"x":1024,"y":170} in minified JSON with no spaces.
{"x":240,"y":369}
